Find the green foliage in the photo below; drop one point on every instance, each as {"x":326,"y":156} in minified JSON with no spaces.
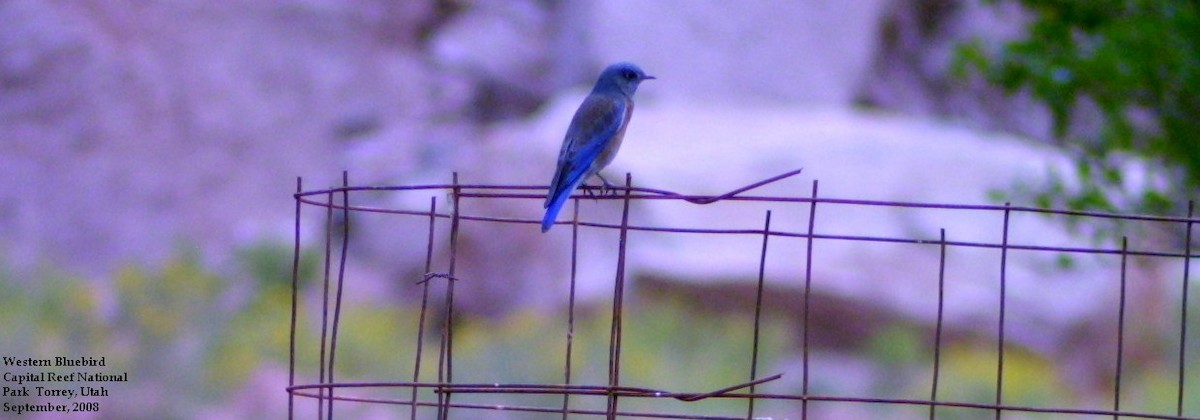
{"x":671,"y":347}
{"x":186,"y":335}
{"x":270,"y":264}
{"x":665,"y":346}
{"x":1138,"y":63}
{"x":968,"y":374}
{"x":896,"y":345}
{"x":57,"y":314}
{"x":192,"y":338}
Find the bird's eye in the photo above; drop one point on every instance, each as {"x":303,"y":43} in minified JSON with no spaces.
{"x":630,"y":75}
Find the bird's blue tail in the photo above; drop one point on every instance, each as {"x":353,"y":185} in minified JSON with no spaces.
{"x":552,"y":210}
{"x":556,"y":203}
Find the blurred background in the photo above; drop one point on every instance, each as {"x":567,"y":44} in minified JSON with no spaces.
{"x":149,"y":152}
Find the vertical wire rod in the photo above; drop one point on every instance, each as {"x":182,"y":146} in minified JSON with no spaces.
{"x":614,"y":347}
{"x":1183,"y":308}
{"x":758,"y":305}
{"x":448,"y":327}
{"x":325,"y":302}
{"x":571,"y":306}
{"x":1003,"y":296}
{"x":424,"y":303}
{"x":937,"y":335}
{"x":341,"y":277}
{"x":1120,"y":330}
{"x":295,"y":297}
{"x":812,"y":217}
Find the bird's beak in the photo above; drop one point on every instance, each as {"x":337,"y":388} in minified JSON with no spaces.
{"x":648,"y":77}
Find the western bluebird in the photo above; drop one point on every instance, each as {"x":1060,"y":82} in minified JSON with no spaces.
{"x":594,"y":135}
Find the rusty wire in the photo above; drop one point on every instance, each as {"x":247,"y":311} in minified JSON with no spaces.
{"x":444,"y":388}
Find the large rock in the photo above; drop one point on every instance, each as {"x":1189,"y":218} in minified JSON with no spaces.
{"x":814,"y":51}
{"x":1056,"y":303}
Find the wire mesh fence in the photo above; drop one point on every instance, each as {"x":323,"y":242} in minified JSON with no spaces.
{"x":436,"y":391}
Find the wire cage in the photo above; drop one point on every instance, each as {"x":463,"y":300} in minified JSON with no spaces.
{"x":436,"y":391}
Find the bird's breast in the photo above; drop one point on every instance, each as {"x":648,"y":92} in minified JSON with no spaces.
{"x":610,"y":151}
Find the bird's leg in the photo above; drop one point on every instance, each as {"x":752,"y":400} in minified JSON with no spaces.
{"x":587,"y":190}
{"x":606,"y":186}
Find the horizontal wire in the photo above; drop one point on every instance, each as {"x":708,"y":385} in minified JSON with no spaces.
{"x":658,"y":194}
{"x":783,"y":233}
{"x":601,"y":390}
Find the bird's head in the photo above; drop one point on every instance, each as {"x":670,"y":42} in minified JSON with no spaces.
{"x":622,"y":76}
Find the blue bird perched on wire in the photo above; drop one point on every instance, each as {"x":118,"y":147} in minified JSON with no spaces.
{"x":594,"y":135}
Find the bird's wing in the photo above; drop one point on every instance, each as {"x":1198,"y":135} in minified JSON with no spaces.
{"x":598,"y":119}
